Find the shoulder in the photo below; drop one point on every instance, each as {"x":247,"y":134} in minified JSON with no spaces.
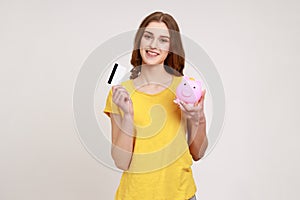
{"x":128,"y":85}
{"x":177,"y":80}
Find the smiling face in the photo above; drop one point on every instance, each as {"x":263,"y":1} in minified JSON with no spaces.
{"x":155,"y":43}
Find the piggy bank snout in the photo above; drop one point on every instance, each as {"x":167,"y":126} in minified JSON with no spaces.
{"x":187,"y":92}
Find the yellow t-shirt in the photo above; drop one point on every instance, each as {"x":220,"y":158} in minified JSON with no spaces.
{"x":160,"y":168}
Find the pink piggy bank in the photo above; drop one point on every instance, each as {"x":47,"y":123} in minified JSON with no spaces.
{"x":189,"y":91}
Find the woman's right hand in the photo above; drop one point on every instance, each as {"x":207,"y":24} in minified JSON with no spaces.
{"x":121,"y":98}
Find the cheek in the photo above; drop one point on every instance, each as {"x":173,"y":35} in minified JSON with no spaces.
{"x":165,"y":47}
{"x":144,"y":43}
{"x":164,"y":53}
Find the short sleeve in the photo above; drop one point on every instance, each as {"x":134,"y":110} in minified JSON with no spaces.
{"x":110,"y":106}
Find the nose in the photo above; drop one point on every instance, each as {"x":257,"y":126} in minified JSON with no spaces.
{"x":153,"y":43}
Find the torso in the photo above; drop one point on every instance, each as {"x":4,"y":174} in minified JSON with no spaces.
{"x":151,"y":88}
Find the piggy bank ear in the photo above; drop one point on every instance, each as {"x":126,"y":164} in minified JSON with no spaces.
{"x":186,"y":78}
{"x":198,"y":82}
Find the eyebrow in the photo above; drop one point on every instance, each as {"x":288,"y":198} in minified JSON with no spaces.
{"x":160,"y":36}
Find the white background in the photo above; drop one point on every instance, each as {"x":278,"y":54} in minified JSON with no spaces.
{"x":254,"y":44}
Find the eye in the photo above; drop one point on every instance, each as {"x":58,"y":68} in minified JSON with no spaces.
{"x":184,"y":84}
{"x":163,"y":40}
{"x":147,"y":36}
{"x":194,"y":87}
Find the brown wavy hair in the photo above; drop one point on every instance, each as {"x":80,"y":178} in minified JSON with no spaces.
{"x":174,"y":63}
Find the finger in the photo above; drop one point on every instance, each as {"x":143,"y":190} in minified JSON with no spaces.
{"x":203,"y":98}
{"x":203,"y":93}
{"x":121,"y":100}
{"x":119,"y":91}
{"x":123,"y":97}
{"x":193,"y":108}
{"x":185,"y":106}
{"x":117,"y":100}
{"x":126,"y":99}
{"x":117,"y":97}
{"x":185,"y":114}
{"x":116,"y":94}
{"x":115,"y":91}
{"x":117,"y":88}
{"x":180,"y":107}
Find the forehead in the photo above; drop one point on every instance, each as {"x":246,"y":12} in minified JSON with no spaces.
{"x":158,"y":28}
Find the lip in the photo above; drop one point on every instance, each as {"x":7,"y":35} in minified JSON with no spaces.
{"x":151,"y":53}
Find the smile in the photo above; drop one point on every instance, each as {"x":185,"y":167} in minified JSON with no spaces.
{"x":151,"y":53}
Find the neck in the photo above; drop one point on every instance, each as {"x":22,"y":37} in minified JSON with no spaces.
{"x":154,"y":74}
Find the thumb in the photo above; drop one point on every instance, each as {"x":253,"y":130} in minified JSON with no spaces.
{"x":203,"y":93}
{"x":202,"y":97}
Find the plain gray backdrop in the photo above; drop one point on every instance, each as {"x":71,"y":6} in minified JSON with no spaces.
{"x":254,"y":44}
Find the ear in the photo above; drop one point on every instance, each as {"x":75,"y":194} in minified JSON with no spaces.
{"x":199,"y":82}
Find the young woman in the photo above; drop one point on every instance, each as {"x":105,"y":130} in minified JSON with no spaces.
{"x":155,"y":140}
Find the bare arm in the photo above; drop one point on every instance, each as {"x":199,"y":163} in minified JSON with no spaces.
{"x":122,"y":140}
{"x":197,"y":138}
{"x":122,"y":129}
{"x":196,"y":127}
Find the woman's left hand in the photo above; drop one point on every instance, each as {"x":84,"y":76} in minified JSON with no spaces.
{"x":194,"y":113}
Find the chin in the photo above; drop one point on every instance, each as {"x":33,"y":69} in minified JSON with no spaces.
{"x":152,"y":61}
